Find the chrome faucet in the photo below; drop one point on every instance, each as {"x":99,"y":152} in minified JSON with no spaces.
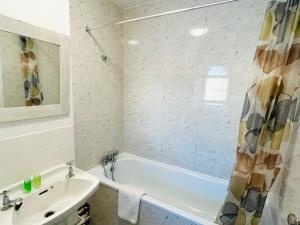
{"x":71,"y":170}
{"x":109,"y":157}
{"x":7,"y":203}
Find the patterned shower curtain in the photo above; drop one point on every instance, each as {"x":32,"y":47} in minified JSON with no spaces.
{"x":32,"y":87}
{"x":269,"y":115}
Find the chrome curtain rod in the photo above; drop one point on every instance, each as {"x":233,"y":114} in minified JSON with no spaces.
{"x":87,"y":29}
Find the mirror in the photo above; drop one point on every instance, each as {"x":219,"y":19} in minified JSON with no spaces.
{"x":34,"y":71}
{"x":29,"y":71}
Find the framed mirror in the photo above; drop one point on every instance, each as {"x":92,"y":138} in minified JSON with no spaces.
{"x":34,"y":71}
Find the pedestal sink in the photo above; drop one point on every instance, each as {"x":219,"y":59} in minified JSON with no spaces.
{"x":58,"y":198}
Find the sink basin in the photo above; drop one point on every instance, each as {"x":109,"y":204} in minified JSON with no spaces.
{"x":53,"y":202}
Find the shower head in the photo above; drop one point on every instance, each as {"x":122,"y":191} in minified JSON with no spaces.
{"x":104,"y":57}
{"x":87,"y":29}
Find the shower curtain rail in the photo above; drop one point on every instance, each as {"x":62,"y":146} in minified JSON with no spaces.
{"x":88,"y":29}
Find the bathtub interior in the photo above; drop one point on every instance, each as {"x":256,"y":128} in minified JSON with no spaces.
{"x":197,"y":194}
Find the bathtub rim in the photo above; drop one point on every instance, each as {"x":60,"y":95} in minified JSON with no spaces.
{"x":126,"y":155}
{"x":152,"y":201}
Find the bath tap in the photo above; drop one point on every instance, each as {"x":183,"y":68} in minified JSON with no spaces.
{"x":7,"y":203}
{"x":110,"y":157}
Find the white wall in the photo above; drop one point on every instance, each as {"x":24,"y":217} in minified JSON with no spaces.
{"x":27,"y":147}
{"x":49,"y":14}
{"x":171,"y":79}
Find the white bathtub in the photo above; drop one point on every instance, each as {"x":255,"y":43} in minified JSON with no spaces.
{"x":194,"y":196}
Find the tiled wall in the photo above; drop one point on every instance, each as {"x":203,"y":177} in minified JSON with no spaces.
{"x":31,"y":153}
{"x":166,"y":100}
{"x":97,"y":85}
{"x":183,"y":94}
{"x":30,"y":146}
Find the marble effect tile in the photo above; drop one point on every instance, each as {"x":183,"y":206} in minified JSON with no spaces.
{"x":97,"y":86}
{"x":160,"y":101}
{"x":167,"y":115}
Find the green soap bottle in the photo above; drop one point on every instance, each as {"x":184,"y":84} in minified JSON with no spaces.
{"x":27,"y":184}
{"x":37,"y":181}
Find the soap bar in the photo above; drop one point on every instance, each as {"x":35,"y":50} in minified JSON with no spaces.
{"x":27,"y":184}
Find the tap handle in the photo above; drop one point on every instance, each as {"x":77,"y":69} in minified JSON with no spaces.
{"x":116,"y":152}
{"x":70,"y":163}
{"x":4,"y":193}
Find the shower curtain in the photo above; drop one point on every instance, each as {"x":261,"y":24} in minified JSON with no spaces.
{"x":32,"y":87}
{"x":269,"y":115}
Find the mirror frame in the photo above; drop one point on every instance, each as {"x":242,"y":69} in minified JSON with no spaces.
{"x":32,"y":112}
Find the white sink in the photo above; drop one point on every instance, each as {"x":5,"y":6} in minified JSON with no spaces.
{"x":52,"y":203}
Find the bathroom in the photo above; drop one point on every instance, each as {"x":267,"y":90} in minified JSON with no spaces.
{"x":149,"y":112}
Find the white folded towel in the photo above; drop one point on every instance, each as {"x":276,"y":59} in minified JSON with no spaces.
{"x":129,"y":203}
